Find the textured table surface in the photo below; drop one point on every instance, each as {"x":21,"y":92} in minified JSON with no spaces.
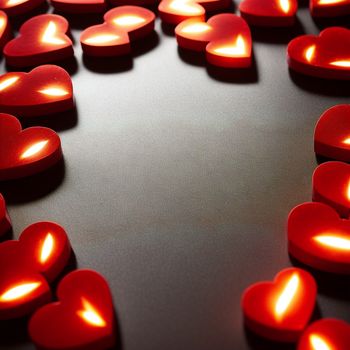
{"x":176,"y":185}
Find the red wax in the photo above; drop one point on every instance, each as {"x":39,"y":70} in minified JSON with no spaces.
{"x":18,"y":7}
{"x":5,"y":222}
{"x":5,"y":31}
{"x":79,"y":6}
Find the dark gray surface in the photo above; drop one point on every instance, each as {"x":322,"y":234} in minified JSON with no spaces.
{"x":177,"y":185}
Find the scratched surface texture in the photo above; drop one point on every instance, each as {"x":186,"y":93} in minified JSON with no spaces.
{"x":176,"y":184}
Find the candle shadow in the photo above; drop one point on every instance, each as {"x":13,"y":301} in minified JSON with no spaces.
{"x":303,"y":3}
{"x":322,"y":159}
{"x":14,"y":332}
{"x":33,"y":187}
{"x":79,"y":21}
{"x":70,"y":267}
{"x":340,"y":21}
{"x":57,"y":121}
{"x":7,"y":235}
{"x":325,"y":87}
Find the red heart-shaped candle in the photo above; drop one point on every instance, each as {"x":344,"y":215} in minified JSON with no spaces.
{"x":42,"y":39}
{"x":319,"y":238}
{"x":280,"y":310}
{"x":331,"y":185}
{"x":79,"y":6}
{"x":326,"y":334}
{"x":225,"y":38}
{"x":122,"y":25}
{"x":332,"y":133}
{"x":329,"y":8}
{"x":176,"y":11}
{"x":325,"y":56}
{"x":82,"y":319}
{"x":28,"y":151}
{"x":45,"y":90}
{"x":5,"y":31}
{"x":18,"y":7}
{"x":5,"y":222}
{"x":269,"y":13}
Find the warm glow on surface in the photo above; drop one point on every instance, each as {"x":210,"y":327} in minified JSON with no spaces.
{"x":7,"y":82}
{"x":310,"y":53}
{"x":54,"y":91}
{"x":183,"y":6}
{"x":318,"y":343}
{"x":49,"y":35}
{"x":19,"y":291}
{"x":47,"y":248}
{"x":347,"y":141}
{"x":284,"y":5}
{"x":128,"y":20}
{"x":334,"y":241}
{"x":196,"y":28}
{"x":341,"y":63}
{"x":34,"y":149}
{"x":237,"y":50}
{"x":15,"y":2}
{"x":101,"y":39}
{"x":90,"y":315}
{"x":348,"y":191}
{"x":2,"y":22}
{"x":286,"y":297}
{"x":329,"y":2}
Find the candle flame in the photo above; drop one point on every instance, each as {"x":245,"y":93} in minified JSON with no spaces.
{"x":284,"y":5}
{"x":183,"y":6}
{"x":310,"y":53}
{"x":318,"y":343}
{"x":100,"y":39}
{"x":19,"y":291}
{"x":196,"y":28}
{"x":333,"y":241}
{"x":14,"y":2}
{"x":128,"y":20}
{"x":237,"y":50}
{"x":54,"y":91}
{"x":347,"y":141}
{"x":329,"y":2}
{"x":49,"y":35}
{"x":90,"y":315}
{"x":8,"y":82}
{"x":47,"y":248}
{"x":34,"y":149}
{"x":2,"y":22}
{"x":286,"y":297}
{"x":341,"y":63}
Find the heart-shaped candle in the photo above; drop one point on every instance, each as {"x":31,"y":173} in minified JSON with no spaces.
{"x":326,"y":334}
{"x":331,"y":185}
{"x":325,"y":56}
{"x":280,"y":310}
{"x":45,"y":90}
{"x":28,"y":151}
{"x":332,"y":133}
{"x":5,"y":222}
{"x":83,"y":317}
{"x":319,"y":238}
{"x":269,"y":13}
{"x":79,"y":6}
{"x":42,"y":39}
{"x":122,"y":25}
{"x":176,"y":11}
{"x":18,"y":7}
{"x":329,"y":8}
{"x":225,"y":38}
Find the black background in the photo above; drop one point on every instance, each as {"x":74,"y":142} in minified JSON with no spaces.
{"x":176,"y":184}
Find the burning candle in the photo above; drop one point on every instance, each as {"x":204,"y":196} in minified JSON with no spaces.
{"x":45,"y":90}
{"x":275,"y":13}
{"x":29,"y":151}
{"x":83,"y":317}
{"x":79,"y":6}
{"x":5,"y":32}
{"x":18,"y":7}
{"x":122,"y":25}
{"x":5,"y":222}
{"x":225,"y":38}
{"x":329,"y":8}
{"x":41,"y":39}
{"x":325,"y":56}
{"x":280,"y":310}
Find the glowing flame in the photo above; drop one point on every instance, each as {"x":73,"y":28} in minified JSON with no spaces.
{"x":8,"y":82}
{"x":318,"y":343}
{"x":47,"y":248}
{"x":196,"y":28}
{"x":329,"y":2}
{"x":310,"y":53}
{"x":128,"y":20}
{"x":334,"y":241}
{"x":184,"y":7}
{"x":341,"y":63}
{"x":49,"y":35}
{"x":90,"y":315}
{"x":237,"y":50}
{"x":101,"y":39}
{"x":19,"y":291}
{"x":347,"y":141}
{"x":348,"y":191}
{"x":2,"y":22}
{"x":34,"y":149}
{"x":284,"y":5}
{"x":54,"y":91}
{"x":287,"y":296}
{"x":14,"y":2}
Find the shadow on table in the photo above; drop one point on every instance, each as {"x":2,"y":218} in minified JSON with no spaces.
{"x":323,"y":23}
{"x":33,"y":187}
